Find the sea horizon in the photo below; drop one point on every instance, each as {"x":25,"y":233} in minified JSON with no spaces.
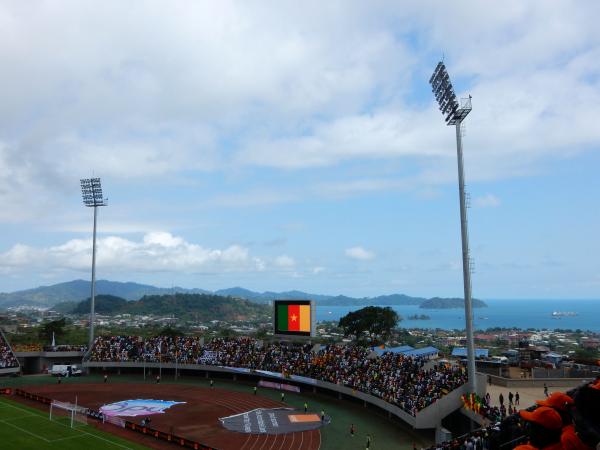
{"x":500,"y":313}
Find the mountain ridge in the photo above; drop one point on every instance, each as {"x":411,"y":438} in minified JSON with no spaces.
{"x":202,"y":306}
{"x":78,"y":290}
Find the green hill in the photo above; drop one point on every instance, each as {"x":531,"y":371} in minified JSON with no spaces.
{"x":77,"y":290}
{"x":203,"y":306}
{"x":104,"y":304}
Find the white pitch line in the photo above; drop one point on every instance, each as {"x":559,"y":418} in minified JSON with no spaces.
{"x":20,"y":417}
{"x":24,"y":430}
{"x":65,"y":438}
{"x":66,"y":426}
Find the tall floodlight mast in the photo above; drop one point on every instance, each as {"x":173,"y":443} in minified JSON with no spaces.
{"x":91,"y":190}
{"x":454,"y":115}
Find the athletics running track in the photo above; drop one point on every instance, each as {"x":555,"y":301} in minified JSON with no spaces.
{"x":197,"y":419}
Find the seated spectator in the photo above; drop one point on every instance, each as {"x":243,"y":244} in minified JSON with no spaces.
{"x":7,"y":357}
{"x":398,"y":379}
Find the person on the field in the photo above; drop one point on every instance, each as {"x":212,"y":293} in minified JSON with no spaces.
{"x":212,"y":383}
{"x":282,"y":397}
{"x":157,"y":379}
{"x":322,"y":416}
{"x":368,"y":445}
{"x":352,"y":430}
{"x":255,"y":390}
{"x":105,"y":378}
{"x":305,"y":407}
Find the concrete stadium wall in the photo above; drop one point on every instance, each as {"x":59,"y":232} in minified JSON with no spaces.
{"x":34,"y":362}
{"x":537,"y":382}
{"x":9,"y":370}
{"x":430,"y":417}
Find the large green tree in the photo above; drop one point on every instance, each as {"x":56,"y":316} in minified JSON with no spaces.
{"x":169,"y":331}
{"x":372,"y":323}
{"x":56,"y":326}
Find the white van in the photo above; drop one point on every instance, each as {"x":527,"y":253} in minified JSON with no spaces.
{"x":65,"y":370}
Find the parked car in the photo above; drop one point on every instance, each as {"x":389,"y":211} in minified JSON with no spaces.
{"x":65,"y":370}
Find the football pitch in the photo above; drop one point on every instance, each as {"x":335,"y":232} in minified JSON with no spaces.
{"x":22,"y":427}
{"x":386,"y":434}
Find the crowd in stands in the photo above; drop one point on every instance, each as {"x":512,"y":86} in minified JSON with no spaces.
{"x":483,"y":439}
{"x":27,"y":347}
{"x":398,"y":379}
{"x":7,"y":358}
{"x":561,"y":421}
{"x":483,"y":406}
{"x":65,"y":348}
{"x":48,"y":348}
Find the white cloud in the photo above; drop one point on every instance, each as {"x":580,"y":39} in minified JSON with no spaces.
{"x":359,"y":253}
{"x":156,"y":252}
{"x":284,"y":261}
{"x":487,"y":201}
{"x":549,"y":59}
{"x":384,"y":134}
{"x":285,"y":87}
{"x":317,"y":270}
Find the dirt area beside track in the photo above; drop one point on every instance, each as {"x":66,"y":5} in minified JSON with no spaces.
{"x":196,"y":420}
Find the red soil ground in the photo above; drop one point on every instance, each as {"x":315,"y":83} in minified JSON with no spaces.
{"x":197,"y":419}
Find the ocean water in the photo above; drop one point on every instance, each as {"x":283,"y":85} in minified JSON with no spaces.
{"x":499,"y":313}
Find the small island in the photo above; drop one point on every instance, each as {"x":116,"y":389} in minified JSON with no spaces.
{"x":449,"y":303}
{"x":419,"y":317}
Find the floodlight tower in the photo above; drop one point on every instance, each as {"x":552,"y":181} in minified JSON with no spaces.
{"x":91,"y":191}
{"x":455,"y":114}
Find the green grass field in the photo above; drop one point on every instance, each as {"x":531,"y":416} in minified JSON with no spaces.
{"x":23,"y":428}
{"x":386,"y":434}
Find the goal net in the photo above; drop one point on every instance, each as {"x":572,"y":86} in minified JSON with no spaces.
{"x":68,"y":413}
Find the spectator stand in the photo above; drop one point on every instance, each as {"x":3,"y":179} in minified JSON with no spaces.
{"x":9,"y":364}
{"x":401,"y":385}
{"x":37,"y":358}
{"x":578,"y":419}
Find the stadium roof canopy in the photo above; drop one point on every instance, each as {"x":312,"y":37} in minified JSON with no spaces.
{"x":462,"y":352}
{"x":425,"y":351}
{"x":401,"y":349}
{"x":407,"y":350}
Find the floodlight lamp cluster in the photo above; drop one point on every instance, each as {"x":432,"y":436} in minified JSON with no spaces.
{"x":445,"y":96}
{"x":91,"y":191}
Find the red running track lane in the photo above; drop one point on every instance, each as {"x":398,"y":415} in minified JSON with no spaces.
{"x":197,"y":419}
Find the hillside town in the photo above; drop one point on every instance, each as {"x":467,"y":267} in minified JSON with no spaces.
{"x":511,"y":353}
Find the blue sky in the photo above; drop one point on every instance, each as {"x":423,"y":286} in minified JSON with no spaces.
{"x":299,"y":147}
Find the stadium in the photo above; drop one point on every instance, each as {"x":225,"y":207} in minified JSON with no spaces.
{"x":285,"y":147}
{"x":243,"y":393}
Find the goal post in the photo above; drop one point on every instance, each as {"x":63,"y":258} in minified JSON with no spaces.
{"x":76,"y":415}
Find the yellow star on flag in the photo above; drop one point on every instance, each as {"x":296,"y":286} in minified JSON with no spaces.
{"x":294,"y":317}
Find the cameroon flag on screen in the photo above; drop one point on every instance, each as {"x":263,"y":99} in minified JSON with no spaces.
{"x":291,"y":317}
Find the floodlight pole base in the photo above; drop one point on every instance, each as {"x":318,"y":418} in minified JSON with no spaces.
{"x":472,"y":371}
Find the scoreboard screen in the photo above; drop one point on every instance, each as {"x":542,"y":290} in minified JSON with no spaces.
{"x":294,"y":317}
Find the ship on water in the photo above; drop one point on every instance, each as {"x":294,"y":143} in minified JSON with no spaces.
{"x":564,"y":314}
